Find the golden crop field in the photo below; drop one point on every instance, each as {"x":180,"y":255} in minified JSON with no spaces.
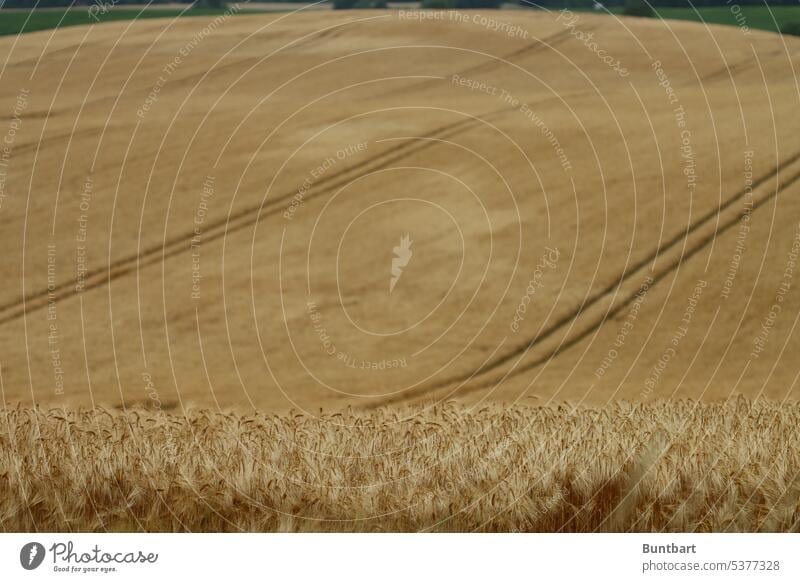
{"x":220,"y":233}
{"x":667,"y":466}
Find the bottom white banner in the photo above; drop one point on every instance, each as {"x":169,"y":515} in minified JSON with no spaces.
{"x":352,"y":557}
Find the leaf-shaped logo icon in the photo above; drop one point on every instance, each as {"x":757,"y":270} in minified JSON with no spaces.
{"x":402,"y":255}
{"x":31,"y":555}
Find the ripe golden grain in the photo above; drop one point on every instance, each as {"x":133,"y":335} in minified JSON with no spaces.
{"x":665,"y":466}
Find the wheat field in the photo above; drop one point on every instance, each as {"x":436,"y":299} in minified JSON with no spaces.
{"x":446,"y":227}
{"x":664,"y":466}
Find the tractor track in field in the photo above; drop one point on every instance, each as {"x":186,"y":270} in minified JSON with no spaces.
{"x":537,"y":45}
{"x":250,"y":215}
{"x":727,"y":72}
{"x":423,"y":392}
{"x":55,"y":53}
{"x":239,"y":220}
{"x":194,"y":79}
{"x":730,"y":71}
{"x":49,"y":140}
{"x":491,"y":63}
{"x":326,"y":33}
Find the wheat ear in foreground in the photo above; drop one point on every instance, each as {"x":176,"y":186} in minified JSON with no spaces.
{"x":666,"y":466}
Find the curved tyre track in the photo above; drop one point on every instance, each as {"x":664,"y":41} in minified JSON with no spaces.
{"x":425,"y":391}
{"x":492,"y":63}
{"x":727,"y":72}
{"x":534,"y":47}
{"x":181,"y":243}
{"x":69,"y":50}
{"x":330,"y":33}
{"x":234,"y":222}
